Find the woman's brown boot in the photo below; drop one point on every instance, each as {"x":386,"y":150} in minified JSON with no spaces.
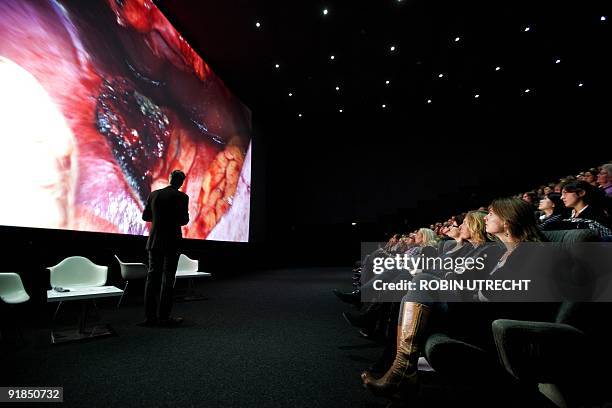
{"x":403,"y":372}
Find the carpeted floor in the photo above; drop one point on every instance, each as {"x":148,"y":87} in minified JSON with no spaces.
{"x":274,"y":339}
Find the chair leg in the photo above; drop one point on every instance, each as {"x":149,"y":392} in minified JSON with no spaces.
{"x":123,"y":294}
{"x":96,"y":310}
{"x":56,"y":311}
{"x":191,"y":287}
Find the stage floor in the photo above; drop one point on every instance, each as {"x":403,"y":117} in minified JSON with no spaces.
{"x":271,"y":338}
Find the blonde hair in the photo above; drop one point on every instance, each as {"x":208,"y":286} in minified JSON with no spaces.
{"x":429,"y":237}
{"x":476,"y":226}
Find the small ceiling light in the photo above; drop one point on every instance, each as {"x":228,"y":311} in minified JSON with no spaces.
{"x":457,"y":39}
{"x":387,"y":82}
{"x":526,"y":29}
{"x":299,"y":115}
{"x":440,"y":75}
{"x":557,"y":61}
{"x":290,"y":93}
{"x":257,"y":24}
{"x":354,"y":223}
{"x":331,"y":57}
{"x":580,"y":84}
{"x":477,"y":96}
{"x":392,"y":48}
{"x":384,"y":106}
{"x":337,"y":88}
{"x":429,"y":101}
{"x":497,"y":68}
{"x":325,"y":11}
{"x":340,"y":110}
{"x":603,"y":18}
{"x":276,"y":66}
{"x":527,"y":90}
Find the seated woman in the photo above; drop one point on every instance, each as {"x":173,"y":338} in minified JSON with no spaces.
{"x":372,"y":309}
{"x":472,"y":242}
{"x":590,"y":176}
{"x":553,"y":209}
{"x":587,"y":208}
{"x":512,"y":221}
{"x":452,"y":233}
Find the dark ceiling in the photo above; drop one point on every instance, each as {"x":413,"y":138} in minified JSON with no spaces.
{"x":454,"y":131}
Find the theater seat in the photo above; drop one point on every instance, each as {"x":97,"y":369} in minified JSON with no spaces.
{"x":461,"y":361}
{"x":561,"y":358}
{"x":567,"y":359}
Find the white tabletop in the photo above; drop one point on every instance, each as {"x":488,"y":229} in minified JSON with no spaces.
{"x":88,"y":292}
{"x":186,"y":274}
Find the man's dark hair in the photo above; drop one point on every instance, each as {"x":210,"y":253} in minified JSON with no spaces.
{"x":176,"y":178}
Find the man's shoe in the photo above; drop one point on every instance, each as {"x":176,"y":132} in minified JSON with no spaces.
{"x":148,"y":323}
{"x":353,"y":298}
{"x":170,"y":322}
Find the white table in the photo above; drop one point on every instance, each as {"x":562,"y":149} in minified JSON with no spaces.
{"x":191,"y":293}
{"x":86,"y":294}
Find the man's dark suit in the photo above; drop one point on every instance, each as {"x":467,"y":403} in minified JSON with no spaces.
{"x":167,"y":208}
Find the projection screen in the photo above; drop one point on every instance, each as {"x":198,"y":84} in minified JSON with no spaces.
{"x":100,"y":100}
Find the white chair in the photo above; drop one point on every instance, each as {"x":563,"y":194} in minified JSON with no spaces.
{"x":12,"y":293}
{"x":77,"y":271}
{"x":188,"y":268}
{"x":129,"y":271}
{"x":186,"y":265}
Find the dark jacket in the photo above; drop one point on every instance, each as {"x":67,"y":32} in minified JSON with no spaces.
{"x":167,"y":209}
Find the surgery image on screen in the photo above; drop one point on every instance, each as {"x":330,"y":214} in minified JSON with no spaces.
{"x":100,"y":101}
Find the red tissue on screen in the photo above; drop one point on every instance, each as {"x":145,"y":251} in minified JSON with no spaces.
{"x":117,"y":99}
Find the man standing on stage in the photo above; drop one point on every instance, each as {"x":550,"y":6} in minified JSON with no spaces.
{"x":167,"y":209}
